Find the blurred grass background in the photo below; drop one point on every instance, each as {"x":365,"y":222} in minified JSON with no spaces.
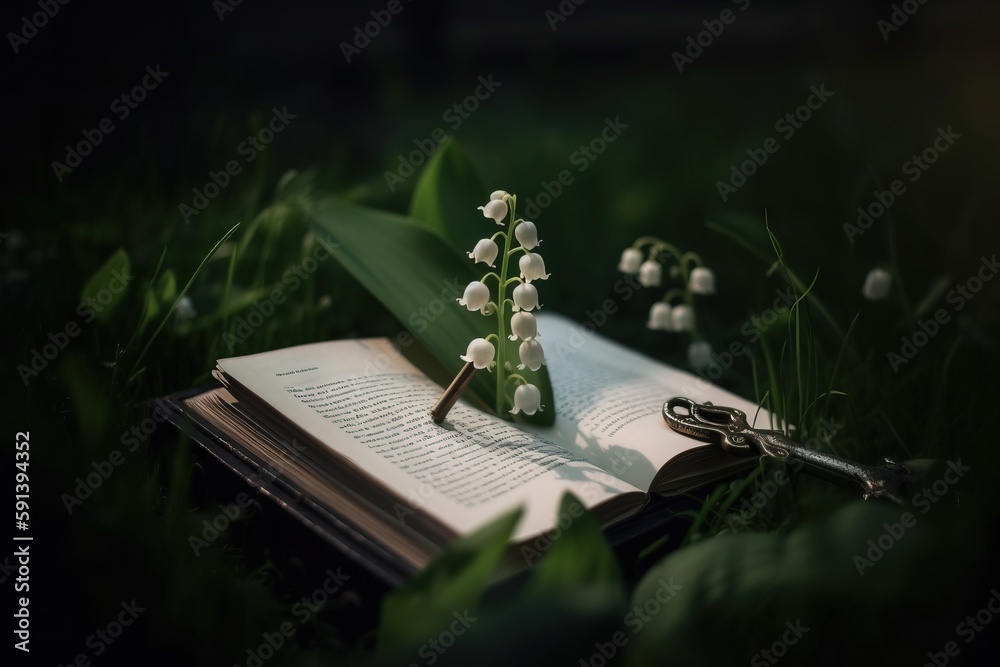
{"x":352,"y":121}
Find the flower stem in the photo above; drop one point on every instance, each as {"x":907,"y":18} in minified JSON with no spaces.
{"x":518,"y":377}
{"x":646,"y":240}
{"x":685,"y":261}
{"x":658,"y":246}
{"x":501,"y":310}
{"x":664,"y":247}
{"x":671,"y":293}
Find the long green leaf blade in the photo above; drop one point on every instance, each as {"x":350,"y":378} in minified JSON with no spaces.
{"x":418,"y":277}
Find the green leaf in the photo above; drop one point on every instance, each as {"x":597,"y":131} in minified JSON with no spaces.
{"x":747,"y":586}
{"x":111,"y":279}
{"x":418,"y":277}
{"x":453,"y":583}
{"x":579,"y":555}
{"x":448,"y":195}
{"x":159,"y":296}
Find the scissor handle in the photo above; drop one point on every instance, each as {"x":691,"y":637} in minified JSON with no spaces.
{"x":727,"y":426}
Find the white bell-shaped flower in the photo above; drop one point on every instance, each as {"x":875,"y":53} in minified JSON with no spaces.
{"x":486,"y":250}
{"x":527,"y":235}
{"x":659,"y":317}
{"x":878,"y":282}
{"x":630,"y":261}
{"x":476,"y":296}
{"x":523,"y":326}
{"x":496,"y":209}
{"x":498,"y":194}
{"x":532,"y":267}
{"x":185,"y":311}
{"x":699,"y":354}
{"x":480,"y":353}
{"x":701,"y":280}
{"x":527,"y":399}
{"x":650,"y":273}
{"x":526,"y":297}
{"x":682,"y":317}
{"x":531,"y":355}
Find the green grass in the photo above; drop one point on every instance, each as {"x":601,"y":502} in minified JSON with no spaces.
{"x":824,"y":359}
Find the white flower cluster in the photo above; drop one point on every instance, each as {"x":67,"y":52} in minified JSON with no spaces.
{"x":663,"y":315}
{"x":523,"y":326}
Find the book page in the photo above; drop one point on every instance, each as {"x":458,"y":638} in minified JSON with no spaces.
{"x":609,"y":402}
{"x":376,"y":417}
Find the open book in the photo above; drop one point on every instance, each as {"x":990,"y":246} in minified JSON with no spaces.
{"x":347,"y":424}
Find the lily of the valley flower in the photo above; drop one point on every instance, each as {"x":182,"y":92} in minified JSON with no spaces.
{"x":659,"y":317}
{"x":630,"y":260}
{"x":480,"y":353}
{"x":699,"y":354}
{"x":682,"y":317}
{"x":656,"y":262}
{"x":523,"y":326}
{"x":531,"y":355}
{"x":496,"y":209}
{"x":184,"y":311}
{"x":526,"y":297}
{"x":650,"y":273}
{"x":486,"y":251}
{"x":878,"y":282}
{"x":527,"y":399}
{"x":527,"y":235}
{"x":476,"y":296}
{"x":701,"y":281}
{"x":532,"y":267}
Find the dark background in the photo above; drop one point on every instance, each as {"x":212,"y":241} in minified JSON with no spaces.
{"x":353,"y":119}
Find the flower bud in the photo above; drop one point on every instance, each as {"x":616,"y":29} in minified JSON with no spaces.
{"x":682,"y":317}
{"x":701,"y":281}
{"x":659,"y":317}
{"x":185,"y":311}
{"x":480,"y":353}
{"x":699,"y":354}
{"x":527,"y":235}
{"x":526,"y":297}
{"x":531,"y":354}
{"x":878,"y":282}
{"x":485,"y":251}
{"x":476,"y":296}
{"x":650,"y":273}
{"x":532,"y":267}
{"x":523,"y":326}
{"x":527,"y":399}
{"x":496,"y":209}
{"x":630,"y":260}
